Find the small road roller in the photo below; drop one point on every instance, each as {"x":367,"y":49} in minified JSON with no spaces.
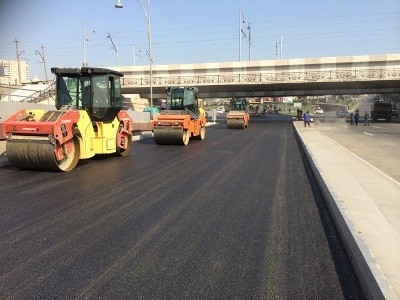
{"x":238,"y":115}
{"x":87,"y":120}
{"x":181,"y":120}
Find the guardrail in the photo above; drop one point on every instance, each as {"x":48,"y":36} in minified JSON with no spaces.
{"x":41,"y":95}
{"x":19,"y":93}
{"x":265,"y":78}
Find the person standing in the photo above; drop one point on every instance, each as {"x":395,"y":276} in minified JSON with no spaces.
{"x":202,"y":112}
{"x":366,"y":119}
{"x":356,"y":117}
{"x":352,"y":118}
{"x":307,"y":119}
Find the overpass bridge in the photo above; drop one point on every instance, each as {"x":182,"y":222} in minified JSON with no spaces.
{"x":368,"y":74}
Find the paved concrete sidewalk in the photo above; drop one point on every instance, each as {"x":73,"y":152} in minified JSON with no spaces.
{"x":365,"y":204}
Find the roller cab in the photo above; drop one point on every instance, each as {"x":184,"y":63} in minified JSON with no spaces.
{"x":238,"y":115}
{"x":182,"y":119}
{"x":88,"y":120}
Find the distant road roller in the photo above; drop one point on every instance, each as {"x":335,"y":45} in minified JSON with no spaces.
{"x":238,"y":115}
{"x":88,"y":120}
{"x":181,"y":120}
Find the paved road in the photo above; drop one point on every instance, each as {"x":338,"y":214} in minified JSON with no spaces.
{"x":378,"y":143}
{"x":237,"y":216}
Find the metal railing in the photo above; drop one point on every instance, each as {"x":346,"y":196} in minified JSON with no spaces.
{"x":41,"y":95}
{"x":266,"y":78}
{"x":10,"y":93}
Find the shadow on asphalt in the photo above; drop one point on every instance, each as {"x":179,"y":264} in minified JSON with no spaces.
{"x":350,"y":285}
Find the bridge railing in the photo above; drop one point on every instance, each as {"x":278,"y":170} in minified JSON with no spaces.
{"x":265,"y":78}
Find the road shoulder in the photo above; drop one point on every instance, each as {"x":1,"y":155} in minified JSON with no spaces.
{"x":347,"y":182}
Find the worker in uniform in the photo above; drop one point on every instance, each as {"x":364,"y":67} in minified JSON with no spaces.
{"x":202,"y":112}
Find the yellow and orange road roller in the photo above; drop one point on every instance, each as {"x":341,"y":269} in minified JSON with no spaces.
{"x":181,"y":120}
{"x":238,"y":115}
{"x":88,"y":120}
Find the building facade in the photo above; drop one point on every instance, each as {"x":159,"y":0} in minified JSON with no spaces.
{"x":9,"y":73}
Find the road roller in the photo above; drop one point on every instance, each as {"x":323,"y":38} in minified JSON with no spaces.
{"x":182,"y":119}
{"x":87,"y":120}
{"x":238,"y":115}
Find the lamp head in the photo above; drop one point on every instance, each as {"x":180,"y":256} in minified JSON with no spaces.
{"x":118,"y":4}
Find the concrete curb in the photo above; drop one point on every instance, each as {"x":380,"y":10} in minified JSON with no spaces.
{"x":373,"y":281}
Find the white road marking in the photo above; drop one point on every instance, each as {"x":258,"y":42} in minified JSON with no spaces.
{"x":368,"y":133}
{"x":376,"y":126}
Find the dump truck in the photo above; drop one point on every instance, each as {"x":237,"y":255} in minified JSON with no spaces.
{"x":238,"y":115}
{"x":87,"y":120}
{"x":182,"y":119}
{"x":381,"y":110}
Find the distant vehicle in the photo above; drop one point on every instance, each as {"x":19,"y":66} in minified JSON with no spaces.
{"x":183,"y":120}
{"x":238,"y":115}
{"x":381,"y":110}
{"x":148,"y":109}
{"x":220,"y":110}
{"x":395,"y":113}
{"x":319,"y":111}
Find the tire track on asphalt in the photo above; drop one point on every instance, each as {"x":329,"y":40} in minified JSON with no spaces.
{"x":90,"y":203}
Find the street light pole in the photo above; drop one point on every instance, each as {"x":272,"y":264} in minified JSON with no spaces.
{"x":150,"y":57}
{"x":147,"y":14}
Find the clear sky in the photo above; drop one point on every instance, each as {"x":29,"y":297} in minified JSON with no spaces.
{"x":194,"y":31}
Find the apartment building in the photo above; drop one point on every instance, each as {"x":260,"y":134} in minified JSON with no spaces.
{"x":9,"y":74}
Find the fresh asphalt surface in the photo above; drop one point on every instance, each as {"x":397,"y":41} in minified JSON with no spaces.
{"x":236,"y":216}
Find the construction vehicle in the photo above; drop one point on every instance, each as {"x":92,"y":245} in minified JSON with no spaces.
{"x":181,"y":120}
{"x":238,"y":115}
{"x":88,"y":120}
{"x":381,"y":110}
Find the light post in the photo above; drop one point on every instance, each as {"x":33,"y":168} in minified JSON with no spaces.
{"x":147,"y":14}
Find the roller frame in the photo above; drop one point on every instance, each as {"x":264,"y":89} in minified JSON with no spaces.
{"x":39,"y":144}
{"x":177,"y":129}
{"x":237,"y":120}
{"x":171,"y":136}
{"x":39,"y":153}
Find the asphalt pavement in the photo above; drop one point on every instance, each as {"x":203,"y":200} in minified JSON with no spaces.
{"x":237,"y":216}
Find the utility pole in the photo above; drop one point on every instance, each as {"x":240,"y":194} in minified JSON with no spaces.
{"x":84,"y":45}
{"x":134,"y":54}
{"x":280,"y":43}
{"x":249,"y":28}
{"x":43,"y":61}
{"x":18,"y":58}
{"x":241,"y":22}
{"x":85,"y":39}
{"x":115,"y":48}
